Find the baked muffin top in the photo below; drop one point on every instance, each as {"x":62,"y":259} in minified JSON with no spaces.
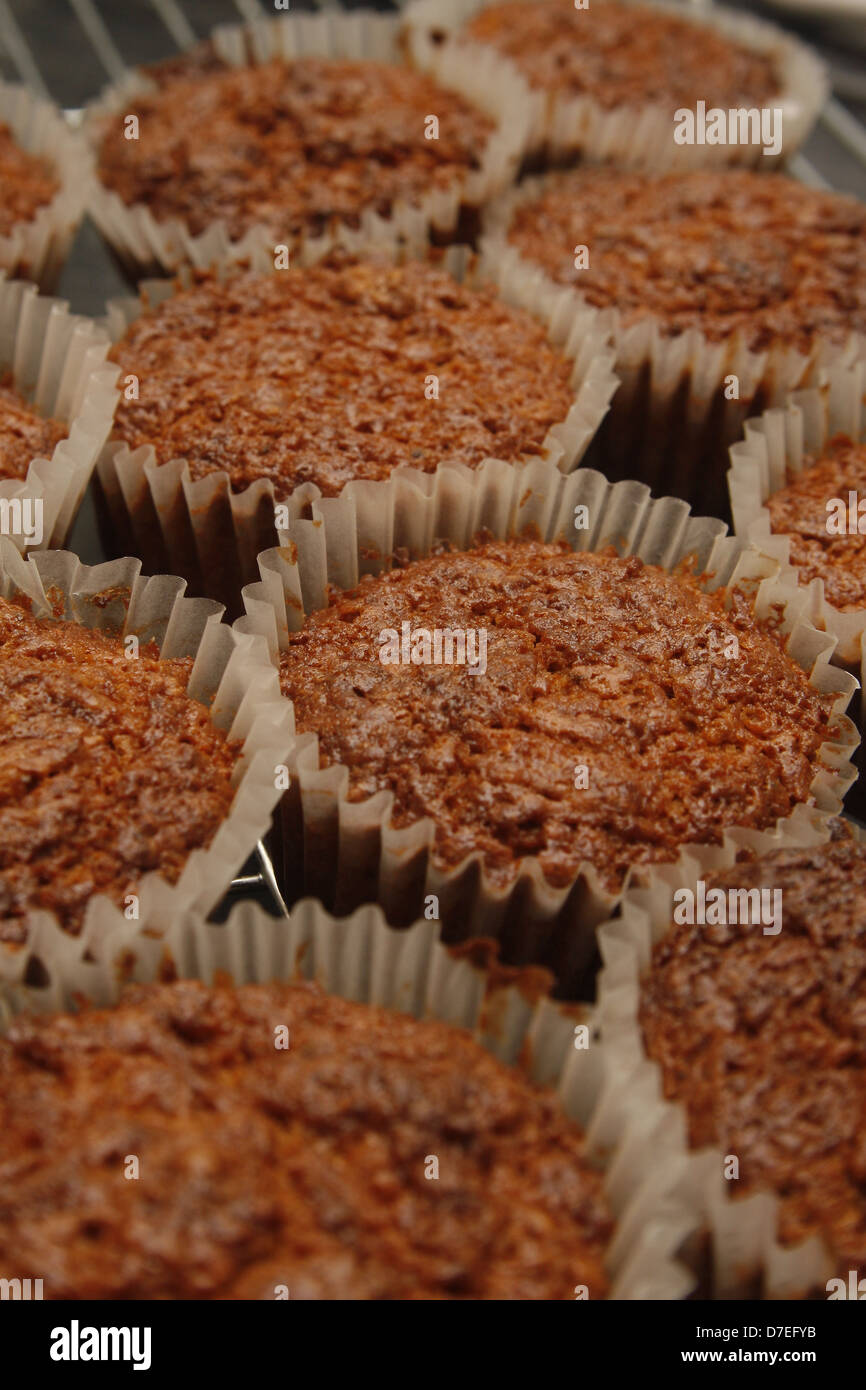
{"x":288,"y":146}
{"x":305,"y":1167}
{"x":27,"y":180}
{"x":763,"y":1039}
{"x":800,"y":511}
{"x":108,"y":769}
{"x":590,"y":661}
{"x":24,"y":435}
{"x":322,"y":375}
{"x":724,"y":252}
{"x":624,"y":55}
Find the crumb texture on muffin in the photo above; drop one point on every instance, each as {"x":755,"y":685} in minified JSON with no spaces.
{"x":301,"y":1166}
{"x":321,"y":375}
{"x":24,"y":435}
{"x":800,"y":511}
{"x":724,"y":252}
{"x":763,"y":1039}
{"x":28,"y":183}
{"x":288,"y":146}
{"x":108,"y":769}
{"x":592,"y":661}
{"x":623,"y":55}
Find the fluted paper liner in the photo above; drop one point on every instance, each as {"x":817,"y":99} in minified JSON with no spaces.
{"x":628,"y":1120}
{"x":361,"y":959}
{"x":671,"y":423}
{"x":231,"y":676}
{"x":775,"y":449}
{"x":37,"y":248}
{"x":147,"y":246}
{"x":211,"y":535}
{"x":347,"y":853}
{"x":636,"y":137}
{"x":57,"y":362}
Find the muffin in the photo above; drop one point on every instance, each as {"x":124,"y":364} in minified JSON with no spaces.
{"x":487,"y":714}
{"x":724,"y":291}
{"x":57,"y":401}
{"x":120,"y":759}
{"x":297,"y":134}
{"x":791,"y":478}
{"x":343,"y":1148}
{"x":302,"y":1156}
{"x":343,"y":372}
{"x":29,"y":183}
{"x":795,"y":482}
{"x":751,"y":1019}
{"x":824,"y":545}
{"x":24,"y":435}
{"x":43,"y":170}
{"x":606,"y":81}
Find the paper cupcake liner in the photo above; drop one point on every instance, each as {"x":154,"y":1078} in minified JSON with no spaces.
{"x":738,"y":1254}
{"x":37,"y":249}
{"x":670,"y":424}
{"x":347,"y":853}
{"x":363,"y":960}
{"x":634,"y":137}
{"x":57,"y":361}
{"x":231,"y":676}
{"x":146,"y":246}
{"x":212,"y":535}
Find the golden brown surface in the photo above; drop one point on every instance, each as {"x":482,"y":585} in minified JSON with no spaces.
{"x":27,"y":183}
{"x":319,"y":375}
{"x":291,"y":147}
{"x":24,"y":435}
{"x":763,"y":1039}
{"x":723,"y":252}
{"x":622,"y":55}
{"x":799,"y":510}
{"x":591,"y":660}
{"x":108,"y":769}
{"x":302,"y":1167}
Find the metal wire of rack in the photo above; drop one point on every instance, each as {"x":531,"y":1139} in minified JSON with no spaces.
{"x":37,"y":38}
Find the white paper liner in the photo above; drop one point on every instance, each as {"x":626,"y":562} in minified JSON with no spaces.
{"x":628,"y":1119}
{"x":212,"y":535}
{"x":347,"y":852}
{"x":57,"y":362}
{"x":360,"y":958}
{"x":231,"y":676}
{"x":146,"y":246}
{"x":38,"y":248}
{"x":775,"y":448}
{"x":670,"y":423}
{"x":636,"y":137}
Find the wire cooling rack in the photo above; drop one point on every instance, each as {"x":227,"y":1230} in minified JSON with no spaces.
{"x":69,"y":49}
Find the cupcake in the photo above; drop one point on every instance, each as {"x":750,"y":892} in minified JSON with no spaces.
{"x":266,"y":387}
{"x":723,"y":291}
{"x":500,"y":732}
{"x":296,"y":134}
{"x":791,"y":482}
{"x":139,"y":738}
{"x":269,"y":1140}
{"x":610,"y":82}
{"x":43,"y":171}
{"x":796,"y":481}
{"x":57,"y":401}
{"x":747,"y":1014}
